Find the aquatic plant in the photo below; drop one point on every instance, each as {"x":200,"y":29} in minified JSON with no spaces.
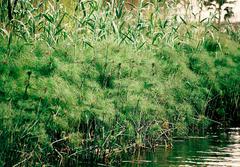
{"x":100,"y":80}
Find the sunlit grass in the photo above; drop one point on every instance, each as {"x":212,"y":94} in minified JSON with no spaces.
{"x":90,"y":83}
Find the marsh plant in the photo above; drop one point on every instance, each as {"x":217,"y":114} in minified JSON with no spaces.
{"x":88,"y":84}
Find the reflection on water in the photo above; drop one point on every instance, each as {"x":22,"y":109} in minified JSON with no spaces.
{"x":220,"y":149}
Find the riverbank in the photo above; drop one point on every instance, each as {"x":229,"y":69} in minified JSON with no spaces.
{"x":76,"y":102}
{"x":89,"y":86}
{"x":220,"y":148}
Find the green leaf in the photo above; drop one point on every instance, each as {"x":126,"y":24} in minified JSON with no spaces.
{"x":48,"y":17}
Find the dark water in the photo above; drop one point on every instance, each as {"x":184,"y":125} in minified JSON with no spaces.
{"x":219,"y":149}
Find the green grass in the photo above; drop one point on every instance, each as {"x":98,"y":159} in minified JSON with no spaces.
{"x":89,"y":85}
{"x":73,"y":101}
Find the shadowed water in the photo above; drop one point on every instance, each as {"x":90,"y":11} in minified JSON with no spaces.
{"x":219,"y":149}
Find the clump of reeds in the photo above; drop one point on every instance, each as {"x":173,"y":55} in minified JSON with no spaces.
{"x":90,"y":84}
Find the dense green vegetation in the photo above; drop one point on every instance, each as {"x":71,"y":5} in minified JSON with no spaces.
{"x":104,"y":80}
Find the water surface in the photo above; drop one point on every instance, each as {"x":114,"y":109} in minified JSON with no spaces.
{"x":219,"y":149}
